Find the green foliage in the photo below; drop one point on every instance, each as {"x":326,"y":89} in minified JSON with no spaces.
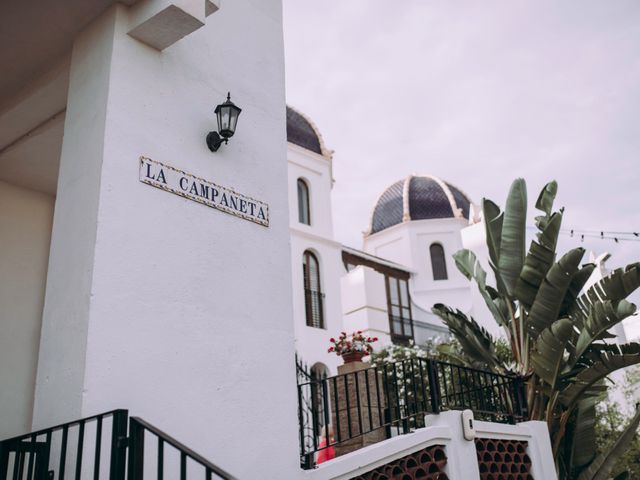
{"x":445,"y":349}
{"x":610,"y":422}
{"x":555,"y":331}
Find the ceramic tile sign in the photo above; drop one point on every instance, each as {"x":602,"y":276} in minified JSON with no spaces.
{"x":194,"y":188}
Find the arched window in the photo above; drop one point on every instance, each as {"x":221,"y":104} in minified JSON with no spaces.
{"x":438,"y":262}
{"x":313,"y":296}
{"x":304,"y":215}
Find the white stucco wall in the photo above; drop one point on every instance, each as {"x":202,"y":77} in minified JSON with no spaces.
{"x":155,"y":303}
{"x":408,"y":244}
{"x":312,"y":343}
{"x":444,"y":429}
{"x":25,"y":232}
{"x":364,"y":304}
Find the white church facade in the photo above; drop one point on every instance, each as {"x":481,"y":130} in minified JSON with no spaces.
{"x":405,"y":266}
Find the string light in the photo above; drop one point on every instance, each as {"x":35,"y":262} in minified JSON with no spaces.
{"x":617,"y":236}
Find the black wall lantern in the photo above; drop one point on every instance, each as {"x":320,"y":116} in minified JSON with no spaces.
{"x":227,"y":114}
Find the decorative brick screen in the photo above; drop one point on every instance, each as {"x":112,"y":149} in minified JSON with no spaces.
{"x":503,"y":459}
{"x":425,"y":464}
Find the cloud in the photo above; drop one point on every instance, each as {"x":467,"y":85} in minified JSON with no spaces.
{"x":478,"y":93}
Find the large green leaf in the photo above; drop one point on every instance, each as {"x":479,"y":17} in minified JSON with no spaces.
{"x":476,"y":342}
{"x":547,"y":197}
{"x":602,"y":364}
{"x":584,"y":443}
{"x":616,"y":286}
{"x":470,"y":267}
{"x":547,"y":358}
{"x":493,"y":227}
{"x":493,"y":220}
{"x":600,"y":468}
{"x":546,"y":307}
{"x":575,"y":287}
{"x":602,"y":317}
{"x":512,"y":244}
{"x":541,"y":256}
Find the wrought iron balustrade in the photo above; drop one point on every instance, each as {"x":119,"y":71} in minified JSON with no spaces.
{"x":189,"y":461}
{"x":394,"y":398}
{"x":109,"y":445}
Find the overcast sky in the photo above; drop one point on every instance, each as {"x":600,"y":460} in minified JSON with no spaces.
{"x":477,"y":93}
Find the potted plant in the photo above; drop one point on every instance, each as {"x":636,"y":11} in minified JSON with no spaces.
{"x":353,"y":347}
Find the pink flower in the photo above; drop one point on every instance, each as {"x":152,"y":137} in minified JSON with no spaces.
{"x":332,"y":340}
{"x":330,"y":350}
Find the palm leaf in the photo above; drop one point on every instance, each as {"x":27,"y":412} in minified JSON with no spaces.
{"x":548,"y":355}
{"x":618,"y":285}
{"x":493,"y":226}
{"x":493,"y":220}
{"x":547,"y":197}
{"x":602,"y":317}
{"x":546,"y":307}
{"x":512,"y":240}
{"x":601,"y":467}
{"x":584,"y":445}
{"x":575,"y":287}
{"x":476,"y":342}
{"x":541,"y":256}
{"x":470,"y":267}
{"x":602,"y":364}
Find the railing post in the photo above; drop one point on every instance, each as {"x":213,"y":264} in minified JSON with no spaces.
{"x":117,"y":468}
{"x":308,"y":462}
{"x":434,"y":385}
{"x":136,"y":451}
{"x":520,"y":396}
{"x":4,"y":459}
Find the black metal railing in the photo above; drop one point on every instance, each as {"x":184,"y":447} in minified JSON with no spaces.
{"x":186,"y":461}
{"x":108,"y":445}
{"x":393,"y":398}
{"x":95,"y":443}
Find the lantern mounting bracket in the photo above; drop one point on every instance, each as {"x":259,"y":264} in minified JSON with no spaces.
{"x":214,"y":140}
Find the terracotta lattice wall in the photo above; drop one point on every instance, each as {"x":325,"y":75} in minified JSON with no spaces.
{"x":426,"y":464}
{"x":503,"y":459}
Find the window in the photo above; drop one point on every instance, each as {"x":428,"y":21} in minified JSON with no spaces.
{"x":438,"y":262}
{"x":399,"y":309}
{"x":303,"y":202}
{"x":313,"y":296}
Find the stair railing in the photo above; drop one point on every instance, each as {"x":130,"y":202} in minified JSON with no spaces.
{"x":92,"y":446}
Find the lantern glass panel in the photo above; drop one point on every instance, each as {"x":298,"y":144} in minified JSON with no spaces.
{"x":233,"y":119}
{"x":224,"y":114}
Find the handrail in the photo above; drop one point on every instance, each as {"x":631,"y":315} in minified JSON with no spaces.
{"x":393,"y":398}
{"x":137,"y":427}
{"x":61,"y":449}
{"x":439,"y":362}
{"x":31,"y":453}
{"x":60,"y":426}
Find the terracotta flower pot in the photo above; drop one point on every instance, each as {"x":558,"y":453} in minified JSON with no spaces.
{"x":353,"y":356}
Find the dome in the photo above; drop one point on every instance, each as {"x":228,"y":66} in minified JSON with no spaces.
{"x":302,"y":132}
{"x":418,"y":197}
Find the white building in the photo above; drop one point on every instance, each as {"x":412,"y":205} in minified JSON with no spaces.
{"x":142,"y":271}
{"x":405,"y":266}
{"x":115,"y":294}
